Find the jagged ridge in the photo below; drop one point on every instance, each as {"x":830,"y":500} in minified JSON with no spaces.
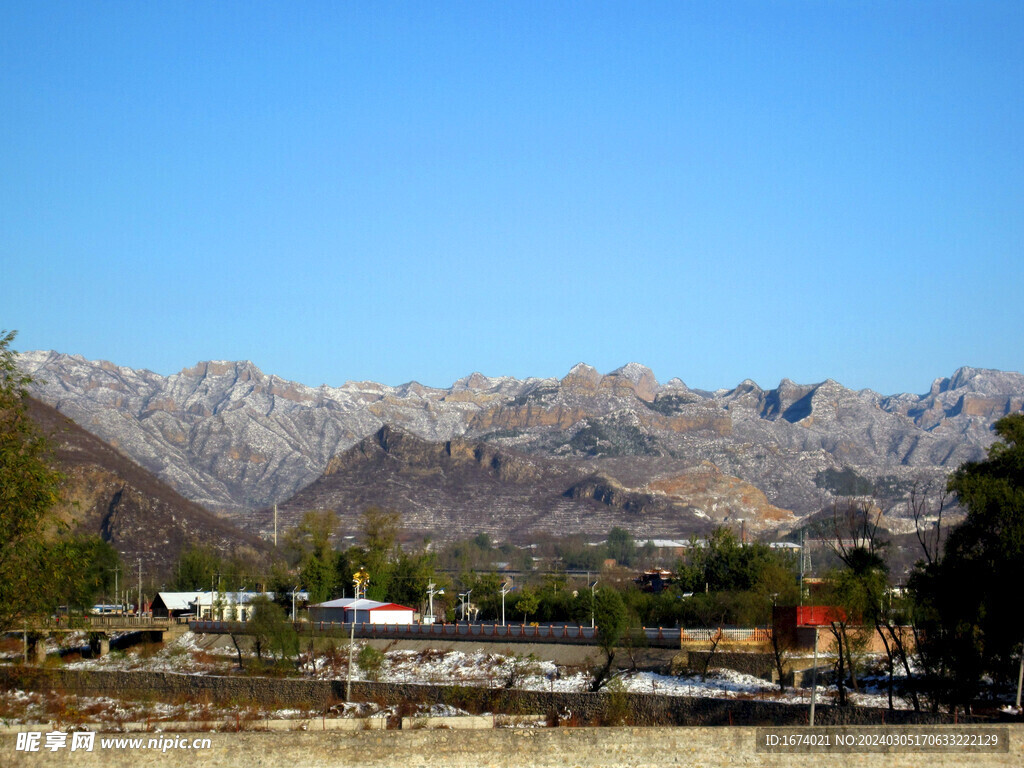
{"x":232,"y":438}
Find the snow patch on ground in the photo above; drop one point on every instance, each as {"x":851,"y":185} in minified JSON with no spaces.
{"x":194,"y":654}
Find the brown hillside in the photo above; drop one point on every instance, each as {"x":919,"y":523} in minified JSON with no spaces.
{"x":108,"y":494}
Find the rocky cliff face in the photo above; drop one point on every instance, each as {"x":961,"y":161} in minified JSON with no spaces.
{"x":459,"y":487}
{"x":232,"y":438}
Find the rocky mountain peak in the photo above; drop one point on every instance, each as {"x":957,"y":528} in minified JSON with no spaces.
{"x":641,"y":377}
{"x":236,"y":370}
{"x":582,"y":376}
{"x":636,"y":373}
{"x":475,"y":380}
{"x":985,"y":381}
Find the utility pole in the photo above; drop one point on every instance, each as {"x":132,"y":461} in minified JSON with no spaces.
{"x":803,"y":543}
{"x":1020,"y":677}
{"x":138,"y":608}
{"x":275,"y":525}
{"x":359,"y":579}
{"x":814,"y":676}
{"x":117,"y":595}
{"x":593,"y":600}
{"x":504,"y":591}
{"x":431,"y":591}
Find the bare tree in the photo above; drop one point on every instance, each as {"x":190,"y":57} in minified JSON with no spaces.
{"x":859,"y":588}
{"x":783,"y":645}
{"x":928,"y":499}
{"x":854,"y":527}
{"x":927,"y":503}
{"x":892,"y":628}
{"x":715,"y":640}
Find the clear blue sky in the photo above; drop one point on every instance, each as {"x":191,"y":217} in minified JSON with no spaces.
{"x":397,"y":191}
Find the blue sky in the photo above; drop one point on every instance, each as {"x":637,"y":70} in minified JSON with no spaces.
{"x":399,"y":191}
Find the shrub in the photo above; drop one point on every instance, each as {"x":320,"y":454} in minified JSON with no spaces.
{"x":370,"y":661}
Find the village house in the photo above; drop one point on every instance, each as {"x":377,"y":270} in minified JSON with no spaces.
{"x":362,"y":611}
{"x":216,"y":606}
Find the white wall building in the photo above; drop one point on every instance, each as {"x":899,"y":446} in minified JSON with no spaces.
{"x":345,"y":609}
{"x":219,"y":606}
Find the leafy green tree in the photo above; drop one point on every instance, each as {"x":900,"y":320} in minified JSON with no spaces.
{"x":620,"y":546}
{"x":611,"y":619}
{"x":380,"y":529}
{"x":85,"y":566}
{"x":29,"y":488}
{"x":722,"y":563}
{"x":576,"y":554}
{"x":966,"y":604}
{"x":858,"y":589}
{"x":410,"y":574}
{"x":555,"y":599}
{"x":379,"y":552}
{"x":270,"y":629}
{"x":196,"y":569}
{"x":318,"y":570}
{"x":528,"y":602}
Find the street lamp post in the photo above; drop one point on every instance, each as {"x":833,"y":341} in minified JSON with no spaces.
{"x":464,"y":598}
{"x":1020,"y":677}
{"x":431,"y":591}
{"x":504,"y":591}
{"x":360,"y":579}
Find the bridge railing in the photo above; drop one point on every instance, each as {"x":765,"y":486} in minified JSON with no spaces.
{"x":101,"y":622}
{"x":753,"y":635}
{"x":532,"y":633}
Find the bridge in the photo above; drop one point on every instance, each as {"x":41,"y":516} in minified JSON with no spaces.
{"x":99,"y":628}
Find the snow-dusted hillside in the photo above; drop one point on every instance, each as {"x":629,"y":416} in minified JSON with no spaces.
{"x":233,"y":438}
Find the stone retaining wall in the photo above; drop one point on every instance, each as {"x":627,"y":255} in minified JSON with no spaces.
{"x":577,"y":708}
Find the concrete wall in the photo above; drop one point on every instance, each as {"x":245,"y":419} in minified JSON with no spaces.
{"x":507,"y":748}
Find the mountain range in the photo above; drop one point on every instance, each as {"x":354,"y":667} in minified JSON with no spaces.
{"x":574,"y":453}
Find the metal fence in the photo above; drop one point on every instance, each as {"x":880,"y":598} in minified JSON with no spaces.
{"x":102,"y":622}
{"x":756,"y":635}
{"x":569,"y":634}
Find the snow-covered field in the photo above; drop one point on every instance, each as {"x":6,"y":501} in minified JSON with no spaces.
{"x":204,"y":655}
